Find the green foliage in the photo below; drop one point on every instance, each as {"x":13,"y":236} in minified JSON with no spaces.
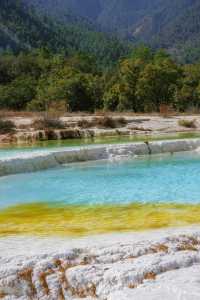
{"x":187,"y":123}
{"x":6,"y":126}
{"x":157,"y":84}
{"x":18,"y":93}
{"x":23,"y":28}
{"x":173,"y":25}
{"x":187,"y":94}
{"x":143,"y":81}
{"x":81,"y":91}
{"x":47,"y":123}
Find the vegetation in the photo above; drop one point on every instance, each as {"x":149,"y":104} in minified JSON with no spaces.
{"x":47,"y":123}
{"x":103,"y":122}
{"x":6,"y":126}
{"x":173,"y":25}
{"x":144,"y":81}
{"x":23,"y":28}
{"x":187,"y":123}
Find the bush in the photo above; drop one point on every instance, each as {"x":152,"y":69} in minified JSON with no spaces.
{"x":47,"y":123}
{"x":187,"y":123}
{"x":103,"y":122}
{"x":6,"y":127}
{"x":107,"y":122}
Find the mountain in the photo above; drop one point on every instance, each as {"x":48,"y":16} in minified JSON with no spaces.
{"x":21,"y":28}
{"x":77,"y":25}
{"x":120,"y":15}
{"x":173,"y":25}
{"x":25,"y":27}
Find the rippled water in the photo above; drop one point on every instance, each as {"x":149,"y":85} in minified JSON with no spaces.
{"x":161,"y":178}
{"x":97,"y":197}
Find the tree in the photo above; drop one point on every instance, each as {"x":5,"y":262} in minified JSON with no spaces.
{"x":80,"y":91}
{"x":187,"y":93}
{"x":157,"y":84}
{"x":18,"y":93}
{"x":121,"y":95}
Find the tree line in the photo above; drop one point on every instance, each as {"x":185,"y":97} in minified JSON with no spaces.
{"x":140,"y":82}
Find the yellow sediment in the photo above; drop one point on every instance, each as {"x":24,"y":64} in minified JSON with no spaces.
{"x":44,"y":219}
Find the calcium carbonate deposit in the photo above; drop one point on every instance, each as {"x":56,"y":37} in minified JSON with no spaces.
{"x":160,"y":265}
{"x":31,"y":162}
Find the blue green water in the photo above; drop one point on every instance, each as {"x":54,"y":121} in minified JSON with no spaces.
{"x":18,"y":149}
{"x":166,"y":178}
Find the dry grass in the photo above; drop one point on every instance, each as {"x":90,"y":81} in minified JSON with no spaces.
{"x":46,"y":123}
{"x":6,"y":126}
{"x":188,"y":123}
{"x":103,"y":122}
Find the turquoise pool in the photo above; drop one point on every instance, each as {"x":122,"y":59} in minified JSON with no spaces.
{"x":161,"y":178}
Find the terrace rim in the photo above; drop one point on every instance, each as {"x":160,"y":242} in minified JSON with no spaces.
{"x":32,"y":162}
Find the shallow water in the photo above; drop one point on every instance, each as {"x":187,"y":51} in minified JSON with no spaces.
{"x":46,"y":146}
{"x":161,"y":178}
{"x":97,"y":197}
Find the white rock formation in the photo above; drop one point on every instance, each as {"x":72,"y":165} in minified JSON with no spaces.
{"x":34,"y":161}
{"x":140,"y":267}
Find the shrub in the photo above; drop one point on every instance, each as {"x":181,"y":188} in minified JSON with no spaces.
{"x":103,"y":122}
{"x":6,"y":126}
{"x":187,"y":123}
{"x":107,"y":122}
{"x":85,"y":124}
{"x":47,"y":123}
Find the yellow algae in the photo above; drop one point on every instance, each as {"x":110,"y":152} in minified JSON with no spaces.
{"x":45,"y":219}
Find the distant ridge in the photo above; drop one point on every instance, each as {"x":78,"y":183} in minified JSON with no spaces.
{"x":24,"y":27}
{"x":173,"y":25}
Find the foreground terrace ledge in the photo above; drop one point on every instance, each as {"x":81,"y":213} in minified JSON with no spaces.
{"x":32,"y":162}
{"x":151,"y":265}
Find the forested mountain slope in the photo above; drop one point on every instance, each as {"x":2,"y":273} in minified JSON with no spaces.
{"x":173,"y":25}
{"x":23,"y":27}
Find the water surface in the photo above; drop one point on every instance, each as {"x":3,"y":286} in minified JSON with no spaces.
{"x":98,"y":197}
{"x":46,"y":146}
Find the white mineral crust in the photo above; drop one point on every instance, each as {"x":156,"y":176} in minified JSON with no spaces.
{"x":163,"y":264}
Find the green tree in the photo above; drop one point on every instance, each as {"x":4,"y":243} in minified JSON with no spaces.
{"x":187,"y":93}
{"x":80,"y":91}
{"x":121,"y":95}
{"x":157,"y":84}
{"x":18,"y":93}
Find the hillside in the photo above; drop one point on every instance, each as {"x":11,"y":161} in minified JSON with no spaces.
{"x":76,"y":25}
{"x":173,"y":25}
{"x":22,"y":28}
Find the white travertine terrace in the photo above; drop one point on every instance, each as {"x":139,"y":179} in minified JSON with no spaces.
{"x":162,"y":265}
{"x":31,"y":162}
